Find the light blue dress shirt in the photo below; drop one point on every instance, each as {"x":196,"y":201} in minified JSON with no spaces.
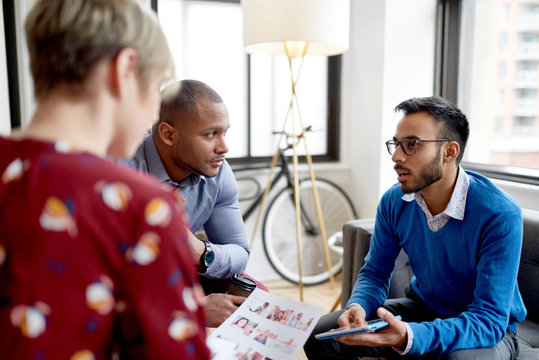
{"x":211,"y":203}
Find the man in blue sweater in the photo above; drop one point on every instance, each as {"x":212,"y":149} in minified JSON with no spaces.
{"x":463,"y":237}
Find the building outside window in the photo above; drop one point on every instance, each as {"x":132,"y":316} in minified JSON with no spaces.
{"x":504,"y":115}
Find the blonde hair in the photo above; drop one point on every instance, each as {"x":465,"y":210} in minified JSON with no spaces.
{"x":67,"y":38}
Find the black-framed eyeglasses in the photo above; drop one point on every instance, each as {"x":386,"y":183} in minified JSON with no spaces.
{"x":409,"y":146}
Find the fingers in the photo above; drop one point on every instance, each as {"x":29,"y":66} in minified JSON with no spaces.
{"x":386,"y":316}
{"x":344,"y":319}
{"x":238,"y":300}
{"x":218,"y":308}
{"x":389,"y":317}
{"x":354,"y":315}
{"x":392,"y":335}
{"x":227,"y":299}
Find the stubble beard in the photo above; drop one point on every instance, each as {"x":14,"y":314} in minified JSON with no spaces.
{"x":429,"y":174}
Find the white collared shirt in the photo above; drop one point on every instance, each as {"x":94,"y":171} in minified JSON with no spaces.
{"x":455,"y":207}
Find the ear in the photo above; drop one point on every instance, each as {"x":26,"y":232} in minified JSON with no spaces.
{"x":166,"y":133}
{"x":452,"y":151}
{"x":123,"y":71}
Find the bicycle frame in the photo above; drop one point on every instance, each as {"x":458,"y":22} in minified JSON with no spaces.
{"x":284,"y":171}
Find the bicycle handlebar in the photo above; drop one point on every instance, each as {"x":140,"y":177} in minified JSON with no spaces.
{"x":289,"y":135}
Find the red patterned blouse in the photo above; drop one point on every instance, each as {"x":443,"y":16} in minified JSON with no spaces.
{"x":94,"y":260}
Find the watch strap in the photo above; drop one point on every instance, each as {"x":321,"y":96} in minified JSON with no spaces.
{"x":206,"y":259}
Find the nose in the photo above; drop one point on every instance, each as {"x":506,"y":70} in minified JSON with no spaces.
{"x":398,"y":155}
{"x":221,"y":147}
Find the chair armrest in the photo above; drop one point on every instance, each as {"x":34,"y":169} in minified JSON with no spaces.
{"x":356,"y":243}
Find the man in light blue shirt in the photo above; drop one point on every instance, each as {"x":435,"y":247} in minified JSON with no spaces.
{"x":187,"y":148}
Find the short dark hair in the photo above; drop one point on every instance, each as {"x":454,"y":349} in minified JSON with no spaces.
{"x":455,"y":124}
{"x":184,"y":96}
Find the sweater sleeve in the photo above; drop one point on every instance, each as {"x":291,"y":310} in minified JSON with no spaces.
{"x":372,"y":286}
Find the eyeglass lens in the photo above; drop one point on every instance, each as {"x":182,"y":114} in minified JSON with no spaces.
{"x":408,"y":145}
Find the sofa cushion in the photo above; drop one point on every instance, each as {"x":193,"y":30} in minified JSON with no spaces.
{"x":528,"y":273}
{"x":528,"y":335}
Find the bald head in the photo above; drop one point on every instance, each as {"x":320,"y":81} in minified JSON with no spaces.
{"x":183,"y":97}
{"x":190,"y":133}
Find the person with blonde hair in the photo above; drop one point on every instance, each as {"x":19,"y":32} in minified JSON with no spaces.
{"x":94,"y":259}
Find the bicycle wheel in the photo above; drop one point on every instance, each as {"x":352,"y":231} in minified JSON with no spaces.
{"x":279,"y":231}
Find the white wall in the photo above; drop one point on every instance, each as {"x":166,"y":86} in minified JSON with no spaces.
{"x":391,"y":59}
{"x":5,"y":123}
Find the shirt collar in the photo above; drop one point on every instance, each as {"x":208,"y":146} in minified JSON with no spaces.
{"x":157,"y":168}
{"x":457,"y":202}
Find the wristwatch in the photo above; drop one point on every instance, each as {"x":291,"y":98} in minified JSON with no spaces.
{"x":207,"y":257}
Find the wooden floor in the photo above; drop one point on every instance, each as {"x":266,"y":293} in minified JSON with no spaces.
{"x":320,"y":295}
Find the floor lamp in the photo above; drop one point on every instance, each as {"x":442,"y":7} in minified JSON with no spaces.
{"x":296,"y":28}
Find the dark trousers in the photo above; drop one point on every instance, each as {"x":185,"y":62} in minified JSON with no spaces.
{"x":412,"y":309}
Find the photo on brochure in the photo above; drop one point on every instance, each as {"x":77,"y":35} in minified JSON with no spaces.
{"x":267,"y":326}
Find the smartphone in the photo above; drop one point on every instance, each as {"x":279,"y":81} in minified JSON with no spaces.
{"x":372,"y":325}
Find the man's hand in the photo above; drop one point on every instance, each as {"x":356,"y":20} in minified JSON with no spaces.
{"x":354,"y":315}
{"x":218,"y":307}
{"x":392,"y":335}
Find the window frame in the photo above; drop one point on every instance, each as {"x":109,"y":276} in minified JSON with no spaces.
{"x":334,"y":75}
{"x":446,"y":86}
{"x":12,"y":63}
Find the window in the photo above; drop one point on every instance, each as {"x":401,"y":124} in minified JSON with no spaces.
{"x":523,"y":126}
{"x":525,"y":101}
{"x":499,"y":126}
{"x":504,"y":43}
{"x":504,"y":140}
{"x":529,"y":16}
{"x":528,"y":45}
{"x":527,"y":73}
{"x":500,"y":99}
{"x":505,"y":14}
{"x":502,"y":70}
{"x":206,"y":40}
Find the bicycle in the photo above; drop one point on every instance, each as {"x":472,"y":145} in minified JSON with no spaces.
{"x":279,"y":226}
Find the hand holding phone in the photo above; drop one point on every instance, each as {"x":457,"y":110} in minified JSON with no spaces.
{"x":372,"y":325}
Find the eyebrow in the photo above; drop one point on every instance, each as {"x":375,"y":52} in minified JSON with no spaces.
{"x":217,"y":128}
{"x":408,"y":138}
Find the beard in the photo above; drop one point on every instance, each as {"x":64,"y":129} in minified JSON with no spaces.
{"x":197,"y":168}
{"x":428,"y":175}
{"x":185,"y":158}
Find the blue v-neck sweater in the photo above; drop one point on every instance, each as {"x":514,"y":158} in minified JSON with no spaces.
{"x":466,"y":271}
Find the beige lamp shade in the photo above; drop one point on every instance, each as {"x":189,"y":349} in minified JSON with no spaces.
{"x":268,"y":24}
